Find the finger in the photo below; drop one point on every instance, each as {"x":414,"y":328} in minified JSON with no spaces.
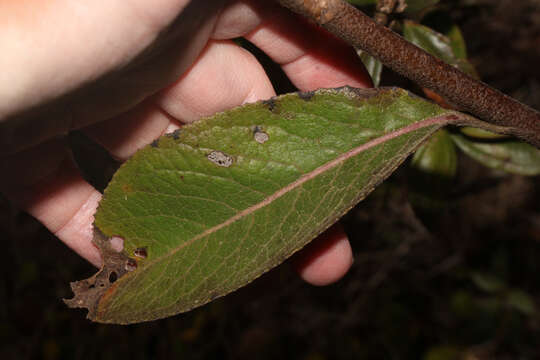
{"x":181,"y":103}
{"x":310,"y":56}
{"x":224,"y":76}
{"x":108,"y":55}
{"x":326,"y":259}
{"x":214,"y":83}
{"x":45,"y":182}
{"x":125,"y":134}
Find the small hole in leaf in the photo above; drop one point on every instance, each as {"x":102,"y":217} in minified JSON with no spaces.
{"x":141,"y":252}
{"x":117,"y":243}
{"x":112,"y":277}
{"x":131,"y":265}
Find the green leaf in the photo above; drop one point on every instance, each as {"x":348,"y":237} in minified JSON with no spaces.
{"x":434,"y":166}
{"x":508,"y":155}
{"x":521,"y":301}
{"x":373,"y":66}
{"x":443,"y":352}
{"x":208,"y":209}
{"x":481,"y":133}
{"x":462,"y":304}
{"x":416,"y":6}
{"x":362,"y":2}
{"x":437,"y":156}
{"x":457,"y":42}
{"x":435,"y":43}
{"x":487,"y":282}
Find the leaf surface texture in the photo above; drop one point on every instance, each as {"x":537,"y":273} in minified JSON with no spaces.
{"x":227,"y":198}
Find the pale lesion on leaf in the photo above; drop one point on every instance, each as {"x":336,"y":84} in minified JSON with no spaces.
{"x":259,"y":135}
{"x":220,"y":158}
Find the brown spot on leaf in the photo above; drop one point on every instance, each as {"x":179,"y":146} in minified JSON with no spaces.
{"x":127,"y":188}
{"x":154,"y":143}
{"x":306,"y":95}
{"x":141,"y":252}
{"x":89,"y":292}
{"x":131,"y":265}
{"x":175,"y":134}
{"x":112,"y":277}
{"x":270,"y":103}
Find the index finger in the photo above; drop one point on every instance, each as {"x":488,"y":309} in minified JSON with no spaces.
{"x":311,"y":57}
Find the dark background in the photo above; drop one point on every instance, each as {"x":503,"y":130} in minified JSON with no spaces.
{"x":436,"y":276}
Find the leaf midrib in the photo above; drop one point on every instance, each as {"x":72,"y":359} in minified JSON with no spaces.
{"x":438,"y":120}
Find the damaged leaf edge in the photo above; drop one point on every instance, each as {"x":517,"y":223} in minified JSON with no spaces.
{"x":94,"y":308}
{"x":89,"y":292}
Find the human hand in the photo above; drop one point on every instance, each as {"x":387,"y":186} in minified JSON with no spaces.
{"x":125,"y":72}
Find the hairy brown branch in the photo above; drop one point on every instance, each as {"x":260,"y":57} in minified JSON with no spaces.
{"x":468,"y":94}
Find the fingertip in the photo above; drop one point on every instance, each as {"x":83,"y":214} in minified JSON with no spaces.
{"x":78,"y":232}
{"x":310,"y":56}
{"x":225,"y":75}
{"x":45,"y":182}
{"x":327,"y":259}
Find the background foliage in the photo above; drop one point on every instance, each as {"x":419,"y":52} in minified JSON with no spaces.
{"x":446,"y":268}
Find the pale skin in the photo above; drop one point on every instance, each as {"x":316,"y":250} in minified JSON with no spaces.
{"x":128,"y":71}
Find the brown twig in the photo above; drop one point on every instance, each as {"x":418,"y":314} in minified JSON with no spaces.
{"x":466,"y":93}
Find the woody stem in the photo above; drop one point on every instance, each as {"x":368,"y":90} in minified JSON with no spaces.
{"x":466,"y":93}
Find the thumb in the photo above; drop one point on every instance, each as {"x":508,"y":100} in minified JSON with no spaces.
{"x":72,"y":61}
